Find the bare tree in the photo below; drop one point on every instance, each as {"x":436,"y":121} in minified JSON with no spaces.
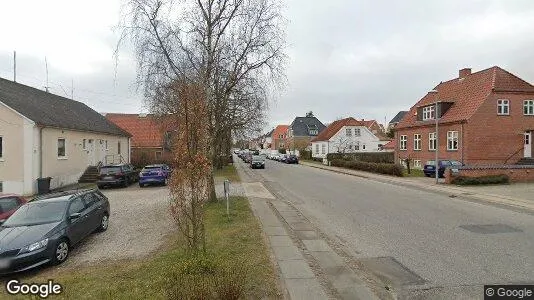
{"x":341,"y":143}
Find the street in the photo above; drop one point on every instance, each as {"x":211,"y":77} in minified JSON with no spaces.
{"x":422,"y":244}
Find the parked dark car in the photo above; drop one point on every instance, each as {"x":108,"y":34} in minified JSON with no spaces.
{"x":292,"y":159}
{"x":430,"y":167}
{"x":154,"y":174}
{"x":257,"y":161}
{"x":117,"y":175}
{"x":9,"y":203}
{"x":283,"y":158}
{"x":44,"y":230}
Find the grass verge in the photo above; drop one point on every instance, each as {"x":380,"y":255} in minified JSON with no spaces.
{"x":236,"y":249}
{"x":228,"y":172}
{"x":413,"y":173}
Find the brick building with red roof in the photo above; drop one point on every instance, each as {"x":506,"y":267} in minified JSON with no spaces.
{"x":485,"y":118}
{"x":150,"y":142}
{"x":279,"y":137}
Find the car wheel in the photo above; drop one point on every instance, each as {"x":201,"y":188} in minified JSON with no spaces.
{"x":104,"y":222}
{"x":61,"y":252}
{"x":100,"y":186}
{"x":141,"y":185}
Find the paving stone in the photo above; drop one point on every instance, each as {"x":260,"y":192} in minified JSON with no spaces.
{"x":300,"y":226}
{"x":297,"y":268}
{"x":316,"y":245}
{"x":274,"y":230}
{"x":280,"y":241}
{"x":287,"y":253}
{"x":328,"y":259}
{"x":306,"y":234}
{"x":308,"y":289}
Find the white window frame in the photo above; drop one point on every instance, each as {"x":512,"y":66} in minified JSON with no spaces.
{"x":64,"y":156}
{"x":403,"y":142}
{"x":323,"y":148}
{"x":452,"y":140}
{"x":84,"y":144}
{"x":348,"y":131}
{"x":432,"y":141}
{"x":417,"y":141}
{"x":417,"y":164}
{"x":357,"y":132}
{"x":429,"y":112}
{"x":317,"y":148}
{"x":503,"y":107}
{"x":528,"y":107}
{"x":3,"y":148}
{"x":119,"y":147}
{"x":106,"y":143}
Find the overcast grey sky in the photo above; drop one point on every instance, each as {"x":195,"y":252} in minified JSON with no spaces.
{"x":361,"y":58}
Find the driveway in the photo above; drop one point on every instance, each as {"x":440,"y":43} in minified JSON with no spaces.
{"x":139,"y":224}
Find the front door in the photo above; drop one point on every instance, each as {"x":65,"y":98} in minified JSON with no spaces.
{"x":528,"y":145}
{"x":91,"y":152}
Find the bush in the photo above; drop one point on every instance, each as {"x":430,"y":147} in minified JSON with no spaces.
{"x":380,"y":168}
{"x":282,"y":151}
{"x":489,"y":179}
{"x":305,"y":154}
{"x":372,"y":157}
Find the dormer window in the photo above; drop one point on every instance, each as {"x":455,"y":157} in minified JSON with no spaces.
{"x":312,"y":130}
{"x":429,"y":112}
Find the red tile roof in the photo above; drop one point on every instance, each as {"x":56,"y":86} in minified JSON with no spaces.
{"x":467,"y":94}
{"x":280,"y":129}
{"x":333,"y":128}
{"x":146,"y":130}
{"x":391,"y":145}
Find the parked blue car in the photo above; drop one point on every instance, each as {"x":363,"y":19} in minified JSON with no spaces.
{"x":154,"y":174}
{"x":430,"y":167}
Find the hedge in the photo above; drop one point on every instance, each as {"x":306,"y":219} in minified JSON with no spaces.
{"x":305,"y":154}
{"x":373,"y":157}
{"x":381,"y":168}
{"x":488,"y":179}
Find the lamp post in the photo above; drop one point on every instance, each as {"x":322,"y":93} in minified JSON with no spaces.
{"x":436,"y":161}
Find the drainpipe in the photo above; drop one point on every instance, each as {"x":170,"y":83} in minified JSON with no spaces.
{"x":462,"y":140}
{"x":41,"y":152}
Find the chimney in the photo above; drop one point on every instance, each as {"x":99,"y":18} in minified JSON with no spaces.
{"x":464,"y":72}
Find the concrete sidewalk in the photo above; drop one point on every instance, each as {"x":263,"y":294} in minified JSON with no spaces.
{"x":514,"y":195}
{"x":308,"y":266}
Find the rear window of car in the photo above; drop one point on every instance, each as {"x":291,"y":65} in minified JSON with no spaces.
{"x":8,"y":203}
{"x":456,"y":163}
{"x":110,"y":170}
{"x":152,"y":167}
{"x":430,"y":162}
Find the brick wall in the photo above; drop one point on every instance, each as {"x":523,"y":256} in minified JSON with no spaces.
{"x":516,"y":173}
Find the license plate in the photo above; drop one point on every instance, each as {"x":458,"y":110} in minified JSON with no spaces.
{"x":4,"y":263}
{"x":108,"y":177}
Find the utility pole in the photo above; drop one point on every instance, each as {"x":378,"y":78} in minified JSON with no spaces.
{"x":14,"y":66}
{"x":46,"y":66}
{"x":436,"y":117}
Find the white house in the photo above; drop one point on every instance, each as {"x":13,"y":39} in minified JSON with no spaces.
{"x":45,"y":135}
{"x":345,"y":136}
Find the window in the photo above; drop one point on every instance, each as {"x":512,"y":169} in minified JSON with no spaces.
{"x":323,"y":149}
{"x":84,"y":143}
{"x":416,"y":142}
{"x":403,"y":142}
{"x":90,"y":199}
{"x":357,"y":147}
{"x":106,"y":143}
{"x":314,"y":132}
{"x":417,"y":164}
{"x":158,"y":155}
{"x":350,"y":147}
{"x":528,"y":107}
{"x":8,"y":203}
{"x":452,"y":140}
{"x":348,"y":131}
{"x":316,"y":148}
{"x":363,"y":147}
{"x":76,"y":206}
{"x":357,"y":132}
{"x":1,"y":147}
{"x":432,"y":141}
{"x":119,"y":147}
{"x":61,"y":145}
{"x":527,"y":139}
{"x":503,"y":107}
{"x":429,"y":112}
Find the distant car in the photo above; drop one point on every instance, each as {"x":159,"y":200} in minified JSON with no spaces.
{"x":430,"y":167}
{"x":257,"y":161}
{"x":283,"y":158}
{"x":9,"y":203}
{"x":117,"y":175}
{"x":248,"y":158}
{"x":154,"y":174}
{"x":292,"y":159}
{"x":45,"y":229}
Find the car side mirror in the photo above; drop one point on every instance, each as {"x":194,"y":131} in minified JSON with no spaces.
{"x":74,"y":216}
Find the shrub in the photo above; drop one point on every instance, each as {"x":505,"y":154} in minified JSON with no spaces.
{"x":480,"y":180}
{"x":282,"y":151}
{"x":305,"y":154}
{"x":373,"y":157}
{"x":381,"y":168}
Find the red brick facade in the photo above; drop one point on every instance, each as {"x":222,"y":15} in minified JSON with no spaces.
{"x":484,"y":136}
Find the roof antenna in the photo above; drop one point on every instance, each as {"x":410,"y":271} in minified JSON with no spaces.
{"x":46,"y":65}
{"x":14,"y":66}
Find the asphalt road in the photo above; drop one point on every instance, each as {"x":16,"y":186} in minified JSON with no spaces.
{"x":418,"y":242}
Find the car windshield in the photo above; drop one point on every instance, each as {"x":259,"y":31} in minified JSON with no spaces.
{"x":110,"y":170}
{"x":257,"y":157}
{"x":152,"y":168}
{"x":8,"y":203}
{"x":38,"y":212}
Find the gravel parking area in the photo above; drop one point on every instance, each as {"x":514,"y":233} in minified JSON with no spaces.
{"x":139,"y":224}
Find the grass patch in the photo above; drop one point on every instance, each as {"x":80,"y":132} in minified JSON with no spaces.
{"x":414,"y":173}
{"x":228,"y":172}
{"x":236,"y":262}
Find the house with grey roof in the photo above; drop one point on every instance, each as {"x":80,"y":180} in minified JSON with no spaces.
{"x":45,"y":135}
{"x":398,"y":117}
{"x":302,"y":130}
